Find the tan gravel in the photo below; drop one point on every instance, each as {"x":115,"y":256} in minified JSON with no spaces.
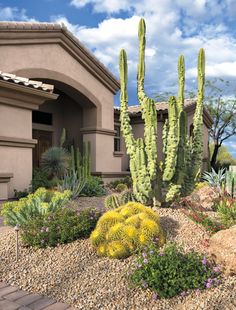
{"x":75,"y":275}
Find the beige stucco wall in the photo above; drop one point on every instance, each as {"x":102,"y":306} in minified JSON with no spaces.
{"x":17,"y":160}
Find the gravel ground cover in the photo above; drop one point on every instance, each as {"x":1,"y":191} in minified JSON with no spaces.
{"x":75,"y":275}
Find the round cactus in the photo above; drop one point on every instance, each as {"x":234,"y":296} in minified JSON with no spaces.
{"x":112,"y":201}
{"x":121,"y":187}
{"x":121,"y":231}
{"x":126,"y":196}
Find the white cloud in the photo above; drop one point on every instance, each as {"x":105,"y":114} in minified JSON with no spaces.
{"x":109,"y":6}
{"x":13,"y":13}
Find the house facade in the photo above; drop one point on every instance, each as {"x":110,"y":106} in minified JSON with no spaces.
{"x":50,"y":81}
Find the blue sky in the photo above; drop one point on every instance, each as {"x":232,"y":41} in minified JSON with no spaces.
{"x":173,"y":27}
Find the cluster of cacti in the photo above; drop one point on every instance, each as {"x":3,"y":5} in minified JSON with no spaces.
{"x":120,"y":232}
{"x":183,"y":156}
{"x":230,"y":183}
{"x":113,"y":201}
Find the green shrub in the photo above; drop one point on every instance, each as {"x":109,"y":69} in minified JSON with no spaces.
{"x":63,"y":226}
{"x":42,"y":202}
{"x":121,"y":187}
{"x":93,"y":187}
{"x":20,"y":194}
{"x":226,"y":208}
{"x":170,"y":271}
{"x":127,"y":181}
{"x":121,"y":231}
{"x":40,"y":179}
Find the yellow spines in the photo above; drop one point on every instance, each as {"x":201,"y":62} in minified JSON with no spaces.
{"x":120,"y":232}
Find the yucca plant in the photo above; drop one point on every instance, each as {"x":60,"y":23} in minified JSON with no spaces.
{"x":55,"y":162}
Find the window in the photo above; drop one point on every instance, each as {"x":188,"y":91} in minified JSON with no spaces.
{"x":117,"y":138}
{"x":44,"y":118}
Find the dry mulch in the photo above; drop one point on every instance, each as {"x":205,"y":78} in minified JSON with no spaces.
{"x":75,"y":275}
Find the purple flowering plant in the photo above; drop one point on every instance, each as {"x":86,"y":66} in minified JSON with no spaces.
{"x":170,"y":271}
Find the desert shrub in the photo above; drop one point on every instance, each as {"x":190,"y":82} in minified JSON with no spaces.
{"x":170,"y":271}
{"x":63,"y":226}
{"x":55,"y":162}
{"x":40,"y":179}
{"x":127,"y":181}
{"x":196,"y":213}
{"x":43,"y":201}
{"x":20,"y":194}
{"x":200,"y":185}
{"x":121,"y":231}
{"x":93,"y":187}
{"x":226,"y":208}
{"x":121,"y":187}
{"x":215,"y":179}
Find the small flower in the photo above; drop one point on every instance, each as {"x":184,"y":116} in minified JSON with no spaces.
{"x":42,"y":241}
{"x":183,"y":294}
{"x":143,"y":283}
{"x":151,"y":252}
{"x":144,"y":254}
{"x":198,"y":291}
{"x":154,"y":296}
{"x":145,"y":261}
{"x":47,"y":229}
{"x":208,"y":285}
{"x":161,"y":253}
{"x":217,"y":269}
{"x":204,"y":261}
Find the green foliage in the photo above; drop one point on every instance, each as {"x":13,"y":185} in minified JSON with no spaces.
{"x":215,"y":179}
{"x":127,"y":180}
{"x":73,"y":183}
{"x":112,"y":201}
{"x":183,"y":156}
{"x":226,"y":208}
{"x":63,"y":226}
{"x":54,"y":162}
{"x":93,"y":187}
{"x":196,"y":213}
{"x":40,"y":179}
{"x":121,"y":187}
{"x":170,"y":272}
{"x":39,"y":203}
{"x":224,"y":158}
{"x":20,"y":194}
{"x":121,"y":231}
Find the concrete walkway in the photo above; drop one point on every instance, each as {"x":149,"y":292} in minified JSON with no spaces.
{"x":12,"y":298}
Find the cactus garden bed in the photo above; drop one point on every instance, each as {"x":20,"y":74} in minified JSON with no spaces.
{"x":74,"y":274}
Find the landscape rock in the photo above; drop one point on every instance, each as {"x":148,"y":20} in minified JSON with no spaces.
{"x":222,"y":248}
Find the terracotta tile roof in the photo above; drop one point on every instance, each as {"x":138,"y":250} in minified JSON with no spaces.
{"x":34,"y":26}
{"x":26,"y":82}
{"x":160,"y":106}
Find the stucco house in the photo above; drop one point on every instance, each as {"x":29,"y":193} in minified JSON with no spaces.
{"x":50,"y":81}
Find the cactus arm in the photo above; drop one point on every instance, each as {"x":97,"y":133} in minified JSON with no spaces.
{"x":172,"y":142}
{"x":181,"y":81}
{"x":197,"y":143}
{"x":124,"y":115}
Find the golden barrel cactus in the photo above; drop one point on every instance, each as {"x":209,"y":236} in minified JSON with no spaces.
{"x":121,"y":231}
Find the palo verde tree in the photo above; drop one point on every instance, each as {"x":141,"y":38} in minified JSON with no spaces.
{"x":223,"y":112}
{"x":182,"y":156}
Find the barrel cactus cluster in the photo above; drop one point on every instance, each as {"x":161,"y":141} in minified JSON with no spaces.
{"x":120,"y":232}
{"x":114,"y":201}
{"x":182,"y":154}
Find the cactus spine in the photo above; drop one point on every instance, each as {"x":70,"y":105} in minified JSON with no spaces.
{"x":182,"y":155}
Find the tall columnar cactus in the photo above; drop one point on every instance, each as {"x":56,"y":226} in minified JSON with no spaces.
{"x":182,"y":155}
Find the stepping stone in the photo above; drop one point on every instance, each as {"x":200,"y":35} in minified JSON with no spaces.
{"x":15,"y":295}
{"x":28,"y":299}
{"x":57,"y":306}
{"x":7,"y":290}
{"x":3,"y":284}
{"x":8,"y":305}
{"x":42,"y":303}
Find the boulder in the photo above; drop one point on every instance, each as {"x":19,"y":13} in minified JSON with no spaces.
{"x":222,"y":248}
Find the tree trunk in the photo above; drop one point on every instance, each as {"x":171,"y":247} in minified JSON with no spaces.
{"x":214,"y":156}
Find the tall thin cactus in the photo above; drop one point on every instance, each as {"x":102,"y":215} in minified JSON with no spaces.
{"x":182,"y":156}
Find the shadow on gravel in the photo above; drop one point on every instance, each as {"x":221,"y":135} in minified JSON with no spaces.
{"x":169,"y":225}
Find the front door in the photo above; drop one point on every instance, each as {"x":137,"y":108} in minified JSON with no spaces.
{"x":44,"y":139}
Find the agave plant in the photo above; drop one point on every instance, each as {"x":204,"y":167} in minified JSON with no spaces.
{"x":74,"y":182}
{"x":215,"y":179}
{"x":55,"y":162}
